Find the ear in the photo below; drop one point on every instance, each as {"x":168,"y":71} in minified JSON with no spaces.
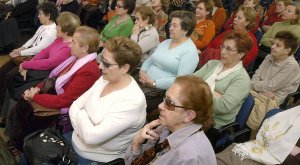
{"x":190,"y":115}
{"x":241,"y":55}
{"x":85,"y":48}
{"x":125,"y":68}
{"x":287,"y":51}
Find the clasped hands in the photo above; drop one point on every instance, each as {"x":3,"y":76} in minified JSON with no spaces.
{"x":144,"y":79}
{"x":29,"y":93}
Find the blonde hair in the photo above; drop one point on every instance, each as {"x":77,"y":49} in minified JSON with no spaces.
{"x":89,"y":37}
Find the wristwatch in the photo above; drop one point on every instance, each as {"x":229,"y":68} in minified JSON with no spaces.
{"x":154,"y":84}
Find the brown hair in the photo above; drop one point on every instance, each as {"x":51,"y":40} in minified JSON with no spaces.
{"x":146,"y":12}
{"x":297,"y":12}
{"x":250,"y":15}
{"x":218,"y":3}
{"x":187,"y":20}
{"x":242,"y":40}
{"x":68,"y":22}
{"x":289,"y":40}
{"x":165,"y":5}
{"x":88,"y":36}
{"x":128,"y":5}
{"x":209,"y":5}
{"x":199,"y":98}
{"x":286,"y":2}
{"x":125,"y":51}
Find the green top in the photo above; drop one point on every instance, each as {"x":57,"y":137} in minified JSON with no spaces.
{"x":269,"y":36}
{"x":122,"y":29}
{"x":234,"y":88}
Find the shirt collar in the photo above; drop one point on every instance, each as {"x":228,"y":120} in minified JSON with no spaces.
{"x":283,"y":63}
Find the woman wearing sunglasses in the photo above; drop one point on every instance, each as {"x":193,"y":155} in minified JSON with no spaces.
{"x":107,"y":117}
{"x":178,"y":135}
{"x":227,"y":78}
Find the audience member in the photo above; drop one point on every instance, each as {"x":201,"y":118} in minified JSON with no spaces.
{"x":204,"y":31}
{"x":160,"y":8}
{"x":227,"y":78}
{"x":218,"y":15}
{"x":144,"y":31}
{"x":184,"y":116}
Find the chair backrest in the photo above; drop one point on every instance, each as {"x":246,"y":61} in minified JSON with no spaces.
{"x":245,"y":111}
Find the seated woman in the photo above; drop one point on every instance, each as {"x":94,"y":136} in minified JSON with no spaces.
{"x":244,"y":20}
{"x":144,"y":31}
{"x":227,"y":77}
{"x":39,"y":67}
{"x":276,"y":15}
{"x":204,"y":31}
{"x":67,"y":5}
{"x":74,"y":76}
{"x":43,"y":37}
{"x":277,"y":142}
{"x":173,"y":57}
{"x":218,"y":15}
{"x":107,"y":117}
{"x":160,"y":8}
{"x":176,"y":137}
{"x":247,"y":3}
{"x":121,"y":24}
{"x":276,"y":77}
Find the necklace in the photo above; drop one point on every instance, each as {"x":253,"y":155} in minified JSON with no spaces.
{"x":118,"y":22}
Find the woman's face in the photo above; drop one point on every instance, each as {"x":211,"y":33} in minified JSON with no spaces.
{"x":278,"y":49}
{"x":172,"y":118}
{"x":240,"y":21}
{"x":156,"y":3}
{"x":175,"y":29}
{"x":43,"y":18}
{"x":249,"y":3}
{"x":201,"y":11}
{"x":280,"y":7}
{"x":229,"y":54}
{"x":109,"y":67}
{"x":139,"y":21}
{"x":120,"y":8}
{"x":289,"y":13}
{"x":77,"y":50}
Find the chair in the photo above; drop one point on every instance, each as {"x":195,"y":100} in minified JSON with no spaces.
{"x":291,"y":99}
{"x":240,"y":123}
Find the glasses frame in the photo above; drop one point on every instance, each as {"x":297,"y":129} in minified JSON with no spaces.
{"x":170,"y":105}
{"x":222,"y":46}
{"x":106,"y":64}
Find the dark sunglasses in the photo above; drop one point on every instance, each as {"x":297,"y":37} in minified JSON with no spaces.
{"x":170,"y":105}
{"x":105,"y":64}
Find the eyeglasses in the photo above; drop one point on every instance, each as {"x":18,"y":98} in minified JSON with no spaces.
{"x":170,"y":105}
{"x":228,"y":49}
{"x":105,"y":64}
{"x":119,"y":6}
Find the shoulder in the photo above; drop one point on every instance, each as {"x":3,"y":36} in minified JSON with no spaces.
{"x":90,"y":67}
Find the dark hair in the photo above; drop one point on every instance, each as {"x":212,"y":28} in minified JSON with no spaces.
{"x":218,"y":3}
{"x":68,"y":22}
{"x":250,"y":15}
{"x":187,"y":20}
{"x":199,"y":98}
{"x":242,"y":40}
{"x":209,"y":5}
{"x":125,"y":51}
{"x":289,"y":40}
{"x":146,"y":12}
{"x":128,"y":5}
{"x":88,"y":36}
{"x":49,"y":9}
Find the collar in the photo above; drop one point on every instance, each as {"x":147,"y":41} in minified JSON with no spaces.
{"x":53,"y":25}
{"x":179,"y":136}
{"x":281,"y":64}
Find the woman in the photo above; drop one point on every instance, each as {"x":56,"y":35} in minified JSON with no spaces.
{"x":121,"y":24}
{"x":276,"y":77}
{"x":277,"y":142}
{"x":218,"y":15}
{"x":244,"y":20}
{"x":144,"y":32}
{"x":184,"y":116}
{"x":204,"y":31}
{"x":43,"y":37}
{"x":227,"y":77}
{"x":74,"y":76}
{"x":38,"y":68}
{"x":107,"y":117}
{"x":247,"y":3}
{"x":173,"y":57}
{"x":160,"y":8}
{"x":67,"y":5}
{"x":276,"y":15}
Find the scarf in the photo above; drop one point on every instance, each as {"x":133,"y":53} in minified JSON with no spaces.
{"x":275,"y":139}
{"x":62,"y":80}
{"x":211,"y":81}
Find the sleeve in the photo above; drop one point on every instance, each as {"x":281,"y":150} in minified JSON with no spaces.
{"x":30,"y":41}
{"x":220,"y":19}
{"x":267,"y":38}
{"x":147,"y":43}
{"x":187,"y":65}
{"x":235,"y":93}
{"x":251,"y":56}
{"x":228,"y":24}
{"x":146,"y":64}
{"x":75,"y":88}
{"x":48,"y":63}
{"x":277,"y":82}
{"x":47,"y":39}
{"x":24,"y":8}
{"x":126,"y":30}
{"x":201,"y":72}
{"x":119,"y":117}
{"x":208,"y":35}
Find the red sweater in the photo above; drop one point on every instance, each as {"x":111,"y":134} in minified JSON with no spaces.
{"x":80,"y":82}
{"x":271,"y":19}
{"x":215,"y":44}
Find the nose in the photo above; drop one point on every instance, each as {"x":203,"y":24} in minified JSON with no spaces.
{"x":161,"y":106}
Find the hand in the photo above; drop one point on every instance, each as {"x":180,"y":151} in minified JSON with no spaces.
{"x":145,"y":79}
{"x":295,"y":151}
{"x":268,"y":94}
{"x":7,"y":15}
{"x":14,"y":54}
{"x":23,"y":73}
{"x":146,"y":133}
{"x":136,"y":29}
{"x":29,"y":93}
